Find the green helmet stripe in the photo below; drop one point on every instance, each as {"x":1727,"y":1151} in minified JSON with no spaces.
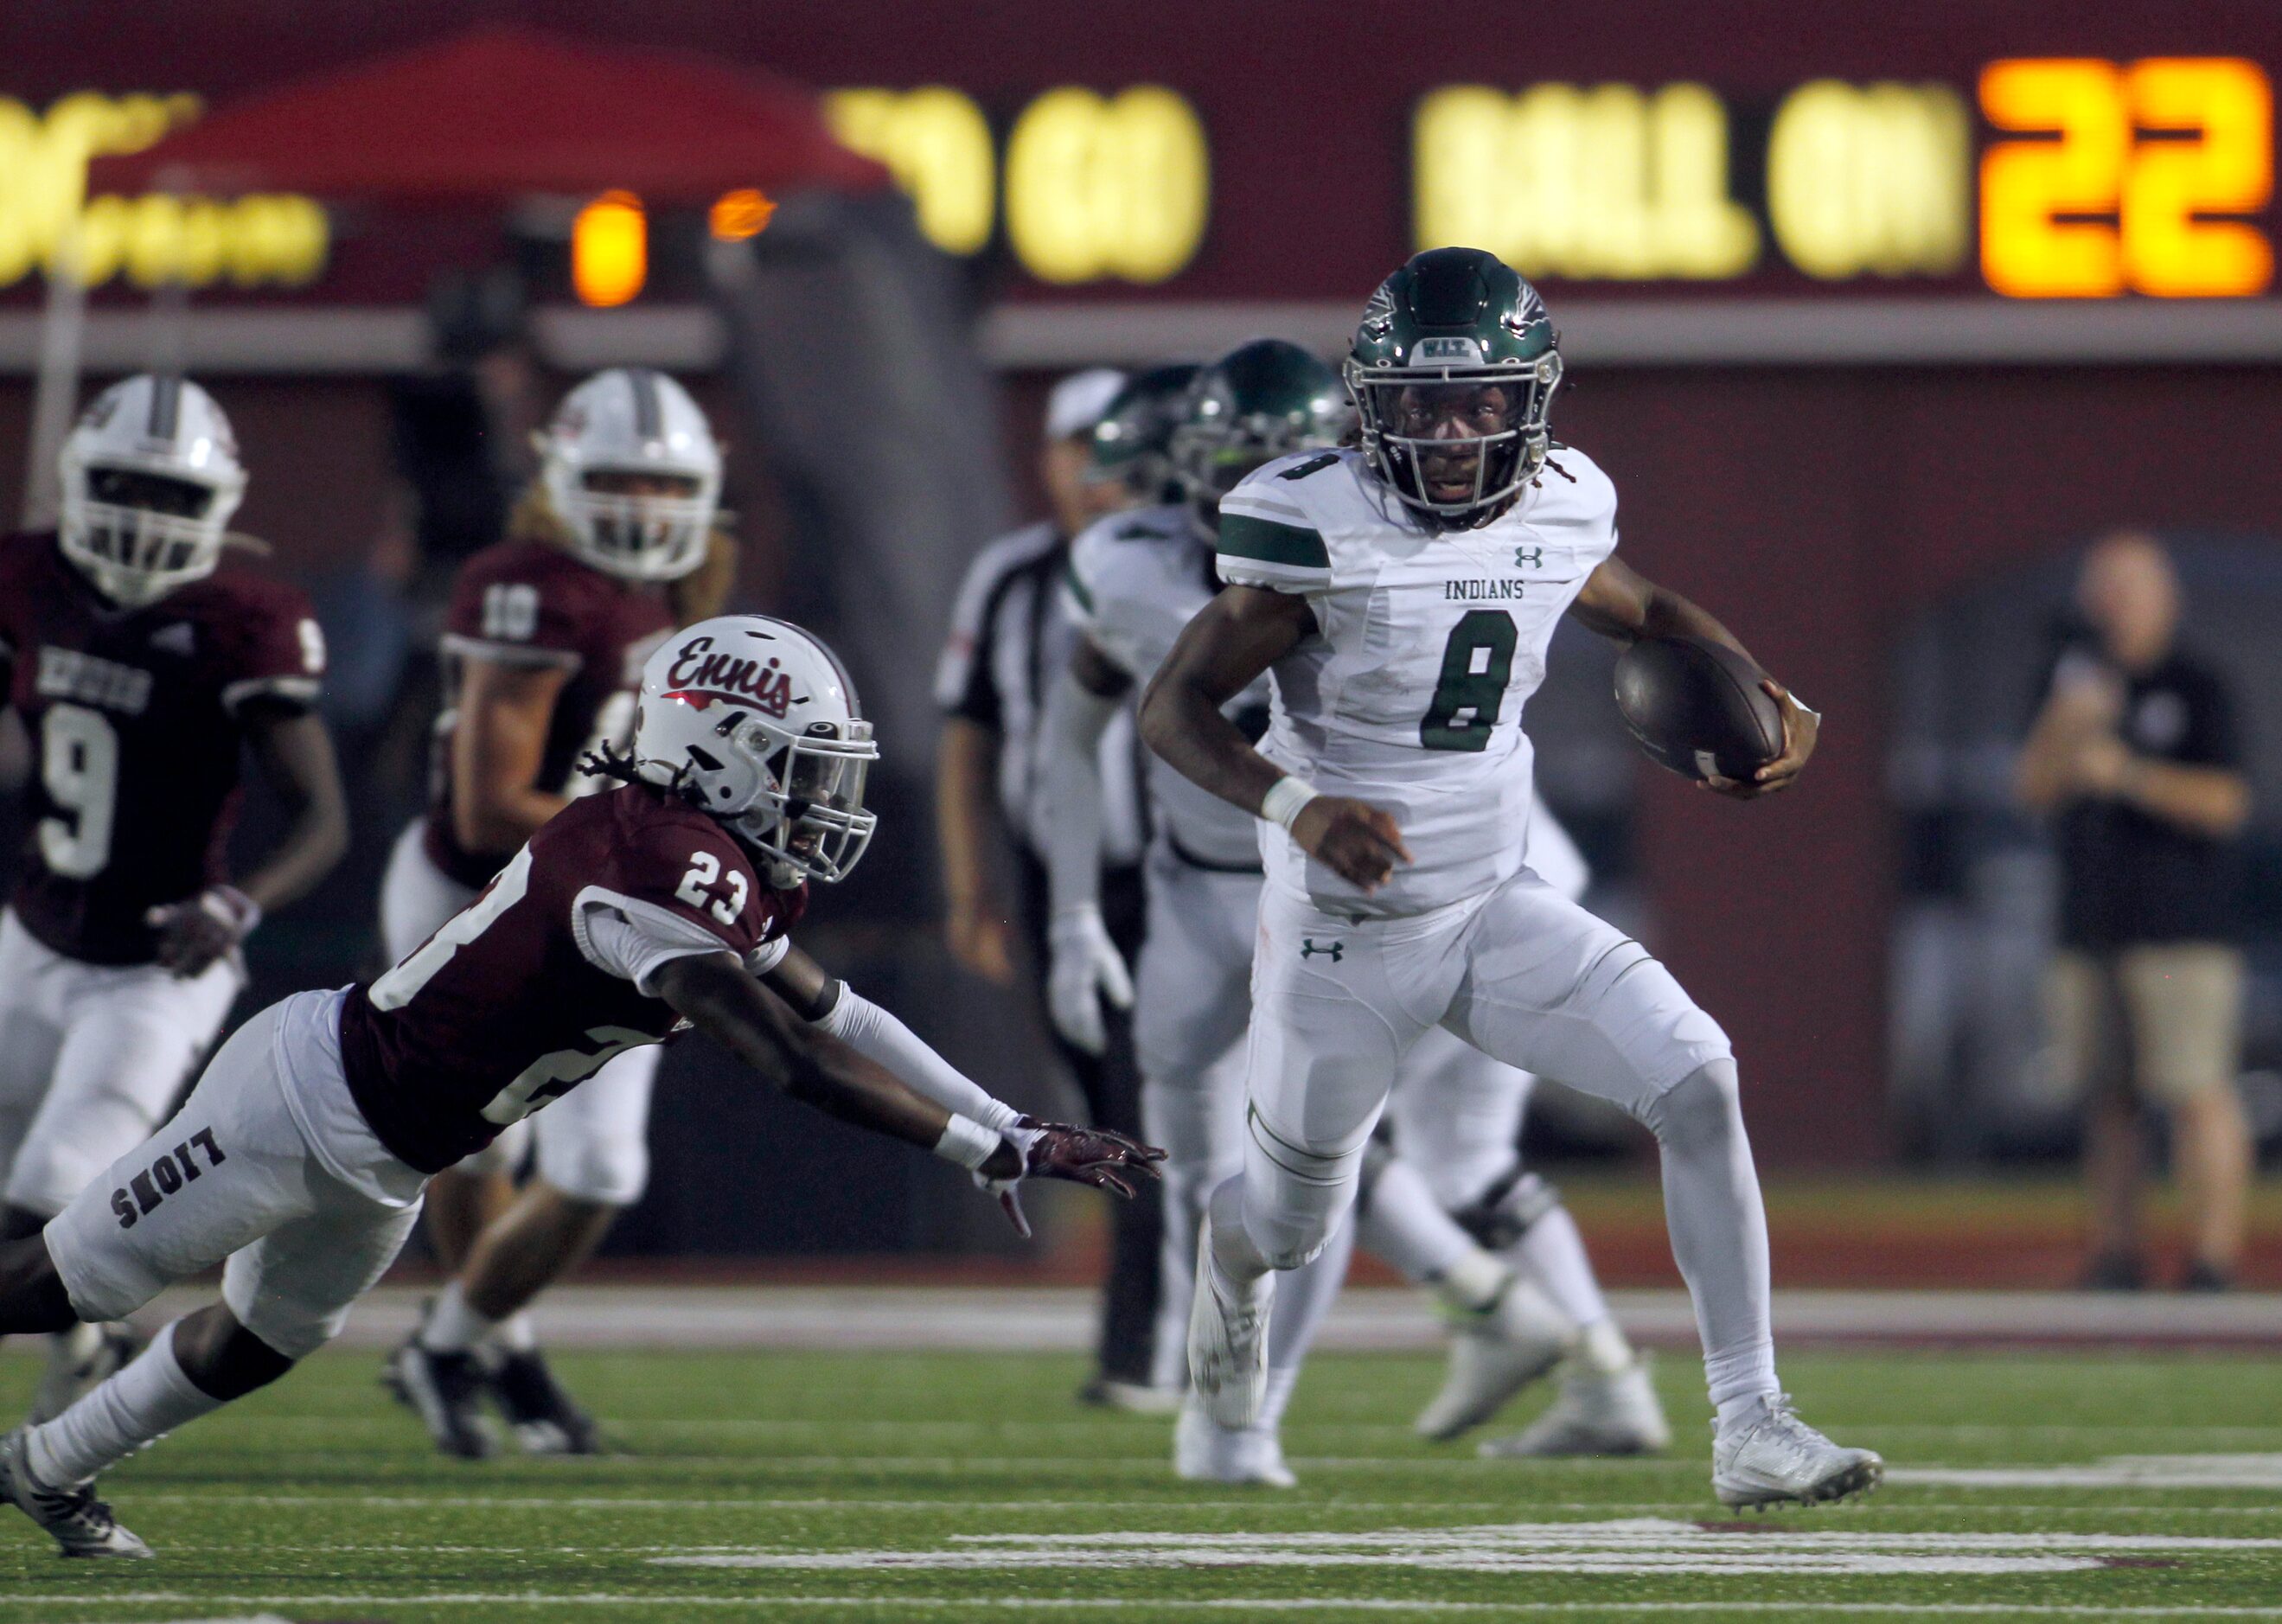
{"x":1265,"y":541}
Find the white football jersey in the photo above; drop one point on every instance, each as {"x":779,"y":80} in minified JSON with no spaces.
{"x":1136,"y":579}
{"x":1428,"y":644}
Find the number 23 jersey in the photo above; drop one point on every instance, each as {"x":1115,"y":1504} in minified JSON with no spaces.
{"x":516,"y":1000}
{"x":1428,"y":644}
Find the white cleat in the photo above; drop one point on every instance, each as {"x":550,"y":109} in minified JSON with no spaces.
{"x":1775,"y":1458}
{"x":1496,"y":1354}
{"x":78,"y":1360}
{"x":1205,"y":1453}
{"x":1228,"y":1340}
{"x":81,"y":1525}
{"x":1599,"y":1412}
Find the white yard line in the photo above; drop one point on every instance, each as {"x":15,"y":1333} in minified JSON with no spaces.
{"x":81,"y":1600}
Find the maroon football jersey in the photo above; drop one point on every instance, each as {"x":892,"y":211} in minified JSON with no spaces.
{"x":502,"y":1010}
{"x":134,"y":718}
{"x":526,"y":602}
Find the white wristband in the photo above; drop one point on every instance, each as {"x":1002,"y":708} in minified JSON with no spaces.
{"x":1285,"y":799}
{"x":966,"y":1142}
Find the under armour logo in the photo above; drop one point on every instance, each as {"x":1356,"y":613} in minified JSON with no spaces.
{"x":1309,"y":950}
{"x":1529,"y":558}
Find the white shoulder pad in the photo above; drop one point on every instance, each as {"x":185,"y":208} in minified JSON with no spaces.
{"x":1270,"y":534}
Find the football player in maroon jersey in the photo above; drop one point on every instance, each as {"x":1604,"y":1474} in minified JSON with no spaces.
{"x":141,"y":675}
{"x":613,"y":547}
{"x":301,"y":1155}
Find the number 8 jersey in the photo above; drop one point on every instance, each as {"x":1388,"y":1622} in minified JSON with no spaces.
{"x":1428,"y":644}
{"x":526,"y":991}
{"x":136,"y":739}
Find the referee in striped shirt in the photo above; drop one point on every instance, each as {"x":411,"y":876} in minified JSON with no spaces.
{"x":1009,"y":639}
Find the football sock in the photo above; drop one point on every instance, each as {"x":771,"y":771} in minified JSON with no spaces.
{"x":451,"y":1325}
{"x":1719,"y":1227}
{"x":136,"y":1407}
{"x":1233,"y":1252}
{"x":516,"y":1334}
{"x":1403,"y":1226}
{"x":1474,"y":1283}
{"x":1552,"y":1253}
{"x":1178,"y":1119}
{"x":1601,"y":1348}
{"x":1302,"y":1298}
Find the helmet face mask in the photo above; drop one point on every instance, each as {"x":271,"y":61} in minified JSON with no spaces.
{"x":631,"y":467}
{"x":151,"y":477}
{"x":1453,"y":373}
{"x":755,"y":722}
{"x":1132,"y":442}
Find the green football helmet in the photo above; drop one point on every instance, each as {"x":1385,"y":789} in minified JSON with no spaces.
{"x":1261,"y":401}
{"x":1132,"y":444}
{"x":1453,"y":374}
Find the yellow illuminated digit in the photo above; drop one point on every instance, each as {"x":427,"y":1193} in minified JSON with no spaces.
{"x":1164,"y":183}
{"x":2025,"y":252}
{"x":936,"y":143}
{"x":1546,"y":206}
{"x":1052,"y":189}
{"x":2228,"y":169}
{"x":1612,"y":176}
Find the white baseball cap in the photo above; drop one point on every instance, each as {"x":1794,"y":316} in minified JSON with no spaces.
{"x":1078,"y":402}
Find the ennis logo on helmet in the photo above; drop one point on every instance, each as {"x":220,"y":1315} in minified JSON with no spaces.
{"x":699,"y":678}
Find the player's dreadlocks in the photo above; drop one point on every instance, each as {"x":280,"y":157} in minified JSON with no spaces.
{"x":605,"y":762}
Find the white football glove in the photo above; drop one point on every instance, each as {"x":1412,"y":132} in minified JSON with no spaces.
{"x":1087,"y":968}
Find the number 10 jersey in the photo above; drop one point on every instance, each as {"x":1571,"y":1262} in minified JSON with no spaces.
{"x":1428,"y":644}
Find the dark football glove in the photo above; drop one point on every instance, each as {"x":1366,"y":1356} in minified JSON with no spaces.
{"x":1091,"y":1156}
{"x":193,"y":933}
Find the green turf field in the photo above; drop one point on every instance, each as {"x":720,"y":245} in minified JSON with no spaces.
{"x":823,"y":1488}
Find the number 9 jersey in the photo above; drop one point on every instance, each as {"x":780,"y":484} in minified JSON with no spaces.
{"x":1428,"y":644}
{"x":133,"y":714}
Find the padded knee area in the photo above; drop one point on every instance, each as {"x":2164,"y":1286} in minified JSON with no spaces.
{"x":1703,"y":1110}
{"x":1294,"y":1198}
{"x":606,"y":1173}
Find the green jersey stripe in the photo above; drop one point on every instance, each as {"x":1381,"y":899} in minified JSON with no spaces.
{"x":1078,"y":586}
{"x":1242,"y":536}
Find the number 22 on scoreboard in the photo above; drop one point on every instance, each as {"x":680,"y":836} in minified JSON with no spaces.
{"x":2204,"y":146}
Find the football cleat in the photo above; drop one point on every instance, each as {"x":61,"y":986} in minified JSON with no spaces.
{"x":1497,"y":1352}
{"x":1598,"y":1413}
{"x":78,"y":1359}
{"x":445,"y":1390}
{"x":1228,"y":1340}
{"x":1207,"y":1453}
{"x":1775,"y":1458}
{"x":544,"y":1420}
{"x":81,"y":1525}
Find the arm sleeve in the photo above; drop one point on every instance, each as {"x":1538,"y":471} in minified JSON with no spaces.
{"x":878,"y":1035}
{"x":1074,"y":721}
{"x":2213,"y":739}
{"x":280,"y":656}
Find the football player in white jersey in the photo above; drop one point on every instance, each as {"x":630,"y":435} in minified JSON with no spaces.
{"x":1403,"y":595}
{"x":1134,"y":581}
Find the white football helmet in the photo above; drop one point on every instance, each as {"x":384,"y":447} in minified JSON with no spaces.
{"x":150,"y":477}
{"x":616,"y":432}
{"x":755,"y":720}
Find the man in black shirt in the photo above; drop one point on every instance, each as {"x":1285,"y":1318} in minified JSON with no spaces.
{"x":2134,"y":757}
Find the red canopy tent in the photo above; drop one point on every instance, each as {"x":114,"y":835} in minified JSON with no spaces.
{"x":507,"y":111}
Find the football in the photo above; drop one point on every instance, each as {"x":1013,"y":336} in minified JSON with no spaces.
{"x":1697,"y":708}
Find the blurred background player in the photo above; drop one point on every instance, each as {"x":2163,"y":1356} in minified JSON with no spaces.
{"x":143,"y":676}
{"x":666,"y":900}
{"x":611,"y":547}
{"x":1010,"y":634}
{"x":1134,"y":581}
{"x":2135,"y":756}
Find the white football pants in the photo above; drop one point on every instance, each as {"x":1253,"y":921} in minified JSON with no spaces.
{"x":92,"y":1056}
{"x":593,"y":1142}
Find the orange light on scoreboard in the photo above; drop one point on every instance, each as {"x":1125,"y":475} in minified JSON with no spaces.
{"x":2124,"y":164}
{"x":738,"y":215}
{"x":609,"y":250}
